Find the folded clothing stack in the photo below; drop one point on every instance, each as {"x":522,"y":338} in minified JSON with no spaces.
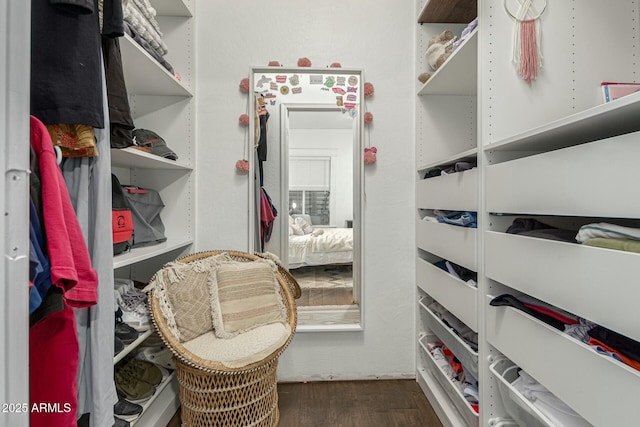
{"x":610,"y":236}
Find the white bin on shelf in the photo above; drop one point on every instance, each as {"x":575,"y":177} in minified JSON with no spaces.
{"x":516,"y":405}
{"x":465,"y":354}
{"x":470,"y":417}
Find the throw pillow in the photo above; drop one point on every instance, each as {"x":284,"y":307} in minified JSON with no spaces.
{"x":245,"y":295}
{"x":187,"y":287}
{"x":304,"y":225}
{"x":297,"y":230}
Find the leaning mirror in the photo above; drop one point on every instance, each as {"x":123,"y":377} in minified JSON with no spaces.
{"x":305,"y":187}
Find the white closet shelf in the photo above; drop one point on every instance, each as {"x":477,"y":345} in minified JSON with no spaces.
{"x":172,"y":8}
{"x":465,"y":155}
{"x":597,"y":387}
{"x":453,"y":294}
{"x":465,"y":354}
{"x":591,"y":282}
{"x":455,"y":191}
{"x":451,"y":242}
{"x":133,"y":158}
{"x":568,"y":181}
{"x":603,"y":121}
{"x":165,"y":395}
{"x":144,"y":75}
{"x":459,"y":74}
{"x":454,"y":394}
{"x":148,"y":252}
{"x":130,"y":347}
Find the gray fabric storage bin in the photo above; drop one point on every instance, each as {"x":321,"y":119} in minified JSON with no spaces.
{"x":146,"y":205}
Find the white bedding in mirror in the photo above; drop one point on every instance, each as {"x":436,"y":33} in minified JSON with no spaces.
{"x":333,"y":246}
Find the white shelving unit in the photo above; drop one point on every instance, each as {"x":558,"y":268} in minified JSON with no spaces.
{"x":539,"y":141}
{"x":165,"y":104}
{"x":549,"y":150}
{"x":446,"y":132}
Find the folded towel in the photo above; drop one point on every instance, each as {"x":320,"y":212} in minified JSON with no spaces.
{"x":606,"y":230}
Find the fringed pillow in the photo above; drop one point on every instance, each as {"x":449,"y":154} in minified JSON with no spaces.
{"x":245,"y":295}
{"x":184,"y":290}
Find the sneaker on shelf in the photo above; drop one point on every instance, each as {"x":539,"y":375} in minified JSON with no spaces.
{"x":153,"y":340}
{"x":142,"y":370}
{"x":120,"y":422}
{"x":118,"y":346}
{"x":160,"y":356}
{"x":123,"y":285}
{"x":126,"y":410}
{"x":130,"y":315}
{"x":127,"y":334}
{"x":133,"y":389}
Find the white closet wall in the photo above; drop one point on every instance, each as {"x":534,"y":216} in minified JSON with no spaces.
{"x":549,"y":150}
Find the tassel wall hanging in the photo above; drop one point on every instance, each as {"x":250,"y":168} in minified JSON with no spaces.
{"x":527,"y":53}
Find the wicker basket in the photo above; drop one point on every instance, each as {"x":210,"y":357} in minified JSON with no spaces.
{"x":212,"y":394}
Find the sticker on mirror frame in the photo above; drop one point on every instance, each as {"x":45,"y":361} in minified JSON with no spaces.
{"x":294,"y":80}
{"x":340,"y":80}
{"x":353,"y":80}
{"x":284,"y":90}
{"x":281,"y":79}
{"x":273,"y":86}
{"x":338,"y":90}
{"x":272,"y":101}
{"x":315,"y":79}
{"x":330,"y":81}
{"x":349,"y":105}
{"x":352,"y":89}
{"x":261,"y":102}
{"x":339,"y":101}
{"x":353,"y":112}
{"x":264,"y":79}
{"x":269,"y":95}
{"x":351,"y":97}
{"x":296,"y":90}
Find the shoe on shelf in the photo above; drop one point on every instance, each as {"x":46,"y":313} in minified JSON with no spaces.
{"x":133,"y":389}
{"x":160,"y":356}
{"x":120,"y":422}
{"x":126,"y":410}
{"x":118,"y":346}
{"x":127,"y":334}
{"x":141,"y":370}
{"x":131,"y":315}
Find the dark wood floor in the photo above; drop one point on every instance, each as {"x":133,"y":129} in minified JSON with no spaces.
{"x":384,"y":403}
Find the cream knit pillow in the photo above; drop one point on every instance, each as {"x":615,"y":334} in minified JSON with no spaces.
{"x":245,"y":295}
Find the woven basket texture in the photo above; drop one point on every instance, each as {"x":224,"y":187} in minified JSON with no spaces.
{"x":213,"y":395}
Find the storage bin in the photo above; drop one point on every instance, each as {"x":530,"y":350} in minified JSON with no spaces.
{"x":451,"y":242}
{"x":455,"y":295}
{"x":467,"y":413}
{"x":593,"y":283}
{"x":465,"y":354}
{"x":456,"y":192}
{"x":516,"y":405}
{"x":568,"y":182}
{"x":566,"y":366}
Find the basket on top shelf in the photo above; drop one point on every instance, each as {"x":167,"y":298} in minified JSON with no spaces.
{"x":226,"y":316}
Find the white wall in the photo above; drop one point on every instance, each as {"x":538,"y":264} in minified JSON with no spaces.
{"x":379,"y":39}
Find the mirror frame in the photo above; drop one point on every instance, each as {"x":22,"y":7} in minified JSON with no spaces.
{"x":358,"y":181}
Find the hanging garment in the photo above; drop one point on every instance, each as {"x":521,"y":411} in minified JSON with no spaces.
{"x":120,"y":120}
{"x":53,"y":367}
{"x":39,"y":269}
{"x":268,"y":214}
{"x":71,"y":267}
{"x":89,"y":179}
{"x":65,"y":62}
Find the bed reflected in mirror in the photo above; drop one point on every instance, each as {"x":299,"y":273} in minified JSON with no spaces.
{"x":320,"y":207}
